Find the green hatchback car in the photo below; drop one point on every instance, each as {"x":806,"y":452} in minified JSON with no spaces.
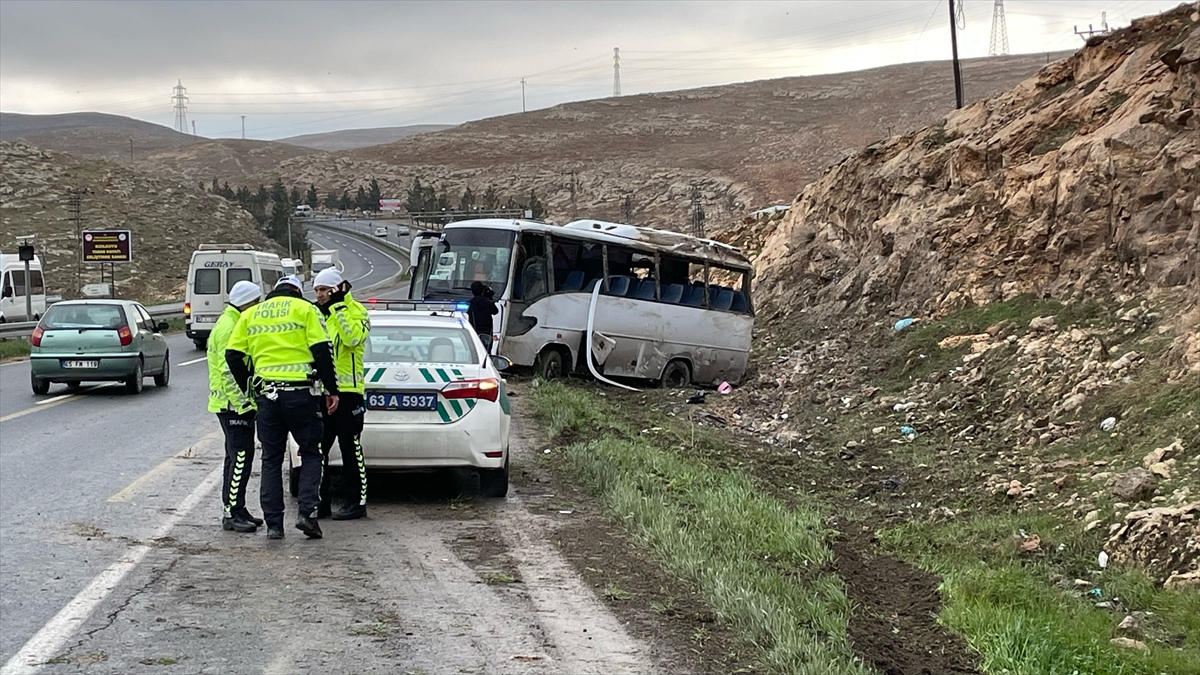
{"x":81,"y":341}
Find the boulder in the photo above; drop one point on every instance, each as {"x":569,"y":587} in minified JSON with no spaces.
{"x":1135,"y":485}
{"x":1163,"y":541}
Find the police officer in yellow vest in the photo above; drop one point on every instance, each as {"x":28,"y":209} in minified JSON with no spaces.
{"x":234,"y":410}
{"x":289,"y":357}
{"x":348,"y":326}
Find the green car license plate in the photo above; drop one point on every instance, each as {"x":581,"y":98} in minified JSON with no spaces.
{"x":394,"y":400}
{"x":80,"y":363}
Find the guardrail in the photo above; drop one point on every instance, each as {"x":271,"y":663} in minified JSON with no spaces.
{"x":24,"y":329}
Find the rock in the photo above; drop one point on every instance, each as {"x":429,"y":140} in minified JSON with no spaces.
{"x":878,"y":430}
{"x":1129,"y":643}
{"x":1073,"y":401}
{"x":1128,"y":359}
{"x":1163,"y":454}
{"x":1135,"y":485}
{"x":1013,"y":492}
{"x":1091,"y":517}
{"x":1161,"y":470}
{"x":1183,"y":581}
{"x":1064,"y":481}
{"x":1129,"y":624}
{"x":1043,"y":324}
{"x":1163,"y":541}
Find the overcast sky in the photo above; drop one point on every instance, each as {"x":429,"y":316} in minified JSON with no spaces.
{"x":304,"y":67}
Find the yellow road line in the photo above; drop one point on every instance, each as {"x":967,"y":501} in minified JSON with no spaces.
{"x":141,"y":480}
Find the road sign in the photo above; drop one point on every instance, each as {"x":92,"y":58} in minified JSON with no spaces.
{"x":391,"y":205}
{"x":107,"y":246}
{"x":96,"y":290}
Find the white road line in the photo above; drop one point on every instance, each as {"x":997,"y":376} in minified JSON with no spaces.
{"x":63,"y":397}
{"x":50,"y":403}
{"x":188,"y":363}
{"x":47,"y":641}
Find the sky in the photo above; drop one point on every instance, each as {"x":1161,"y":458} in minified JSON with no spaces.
{"x":305,"y":67}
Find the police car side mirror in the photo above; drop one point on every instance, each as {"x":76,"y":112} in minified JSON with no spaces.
{"x":501,"y":363}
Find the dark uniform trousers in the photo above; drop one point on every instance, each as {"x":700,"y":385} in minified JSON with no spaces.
{"x":297,"y":412}
{"x":239,"y":457}
{"x":346,"y":425}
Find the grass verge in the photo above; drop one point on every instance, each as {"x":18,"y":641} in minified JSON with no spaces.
{"x":14,"y":347}
{"x":757,"y":563}
{"x":1002,"y":602}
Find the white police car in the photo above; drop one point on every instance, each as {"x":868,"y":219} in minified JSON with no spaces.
{"x":434,"y":397}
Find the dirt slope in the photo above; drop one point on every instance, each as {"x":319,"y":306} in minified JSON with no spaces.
{"x":168,"y":220}
{"x":350,"y":139}
{"x":95,"y":135}
{"x":237,"y":161}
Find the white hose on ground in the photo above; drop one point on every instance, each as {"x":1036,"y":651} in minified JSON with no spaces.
{"x":588,"y":355}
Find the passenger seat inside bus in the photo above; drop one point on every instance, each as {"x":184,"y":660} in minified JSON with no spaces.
{"x":722,"y":297}
{"x":693,"y":296}
{"x":644,"y":290}
{"x":672,"y":294}
{"x":574,"y":281}
{"x":618,"y":286}
{"x":739,"y":302}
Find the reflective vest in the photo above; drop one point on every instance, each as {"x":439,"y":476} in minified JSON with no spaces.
{"x":348,"y":326}
{"x":223,"y":392}
{"x":276,"y":334}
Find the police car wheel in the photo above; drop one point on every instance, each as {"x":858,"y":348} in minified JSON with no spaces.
{"x":493,"y":483}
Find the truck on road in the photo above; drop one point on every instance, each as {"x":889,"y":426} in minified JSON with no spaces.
{"x":325,"y":257}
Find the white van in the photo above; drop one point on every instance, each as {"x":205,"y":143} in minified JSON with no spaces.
{"x":215,"y":268}
{"x":12,"y":288}
{"x":294,"y":267}
{"x":303,"y":211}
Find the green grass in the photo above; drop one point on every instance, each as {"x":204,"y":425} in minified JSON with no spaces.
{"x":14,"y":347}
{"x":758,"y":564}
{"x":1004,"y":604}
{"x":1056,"y":137}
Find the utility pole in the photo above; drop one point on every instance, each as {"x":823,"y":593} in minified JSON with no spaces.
{"x":1103,"y":30}
{"x":522,"y":94}
{"x":180,"y":99}
{"x":193,"y":127}
{"x":75,"y":208}
{"x":627,"y":210}
{"x":243,"y":127}
{"x":697,"y":213}
{"x":574,"y":187}
{"x":998,"y":46}
{"x":958,"y":92}
{"x":616,"y":71}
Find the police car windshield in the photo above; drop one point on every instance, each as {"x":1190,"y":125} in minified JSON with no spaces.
{"x":423,"y":344}
{"x":467,"y":255}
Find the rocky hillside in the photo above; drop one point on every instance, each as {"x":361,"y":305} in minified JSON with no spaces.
{"x":744,"y":145}
{"x":232,"y":160}
{"x":168,"y":220}
{"x":90,"y":134}
{"x":1041,"y":252}
{"x":350,"y":139}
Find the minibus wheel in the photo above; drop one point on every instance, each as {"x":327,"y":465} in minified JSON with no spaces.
{"x":676,"y":375}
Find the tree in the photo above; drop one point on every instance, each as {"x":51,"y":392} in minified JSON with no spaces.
{"x":491,"y":200}
{"x":214,"y":189}
{"x":467,"y":201}
{"x":277,"y":228}
{"x":374,"y":195}
{"x":310,"y":197}
{"x":442,"y":203}
{"x":331,"y":200}
{"x":344,"y":201}
{"x":535,"y":206}
{"x":360,"y":200}
{"x":294,"y":197}
{"x":227,"y":192}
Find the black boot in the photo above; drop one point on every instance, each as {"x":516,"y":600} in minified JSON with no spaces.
{"x":274,"y":533}
{"x":246,"y":515}
{"x":237,"y":523}
{"x":309,"y":526}
{"x":351,"y":512}
{"x":325,"y":510}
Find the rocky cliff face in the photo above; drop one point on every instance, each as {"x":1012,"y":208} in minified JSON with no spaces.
{"x":1080,"y":182}
{"x":168,"y":220}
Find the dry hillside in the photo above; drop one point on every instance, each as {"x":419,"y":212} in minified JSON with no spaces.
{"x":350,"y":139}
{"x":231,"y":160}
{"x":94,"y":135}
{"x":745,"y":145}
{"x":168,"y":220}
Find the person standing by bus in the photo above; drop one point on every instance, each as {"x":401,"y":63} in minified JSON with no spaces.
{"x":349,"y":327}
{"x":288,"y":352}
{"x":234,"y":410}
{"x":480,"y":311}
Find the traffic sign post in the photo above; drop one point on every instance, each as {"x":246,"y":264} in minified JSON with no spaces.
{"x":107,"y":246}
{"x":25,"y":254}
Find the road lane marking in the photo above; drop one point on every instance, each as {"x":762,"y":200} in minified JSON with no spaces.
{"x":45,"y":644}
{"x":51,"y":402}
{"x":130,"y":489}
{"x":188,"y":363}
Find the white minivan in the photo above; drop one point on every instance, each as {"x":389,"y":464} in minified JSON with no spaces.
{"x":12,"y":288}
{"x":215,"y":268}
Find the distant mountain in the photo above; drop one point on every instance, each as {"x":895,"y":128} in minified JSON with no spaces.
{"x":350,"y":139}
{"x":92,"y":134}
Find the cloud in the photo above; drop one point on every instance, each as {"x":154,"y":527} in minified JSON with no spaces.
{"x":296,"y":68}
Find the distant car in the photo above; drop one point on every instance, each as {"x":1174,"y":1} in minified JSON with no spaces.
{"x":434,"y":399}
{"x":402,"y":231}
{"x":81,"y":341}
{"x":303,"y":211}
{"x":381,"y":232}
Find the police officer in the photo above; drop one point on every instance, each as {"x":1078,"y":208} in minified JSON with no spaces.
{"x":235,"y":412}
{"x":283,"y":338}
{"x":348,"y":326}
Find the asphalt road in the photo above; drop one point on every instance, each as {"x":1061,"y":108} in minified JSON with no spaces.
{"x":112,"y":559}
{"x":80,"y":473}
